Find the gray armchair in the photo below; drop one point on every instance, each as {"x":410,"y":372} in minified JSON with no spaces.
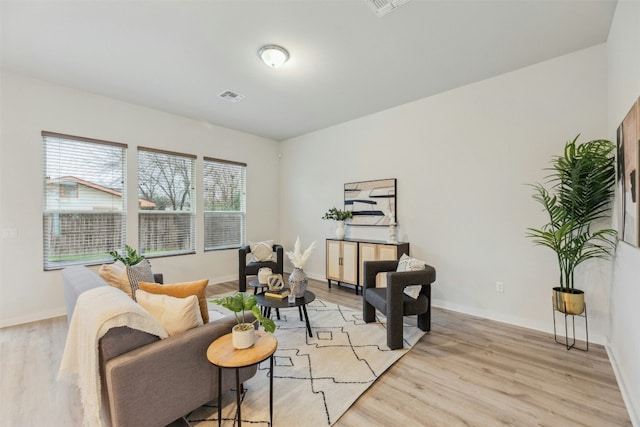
{"x":392,"y":301}
{"x":251,"y":269}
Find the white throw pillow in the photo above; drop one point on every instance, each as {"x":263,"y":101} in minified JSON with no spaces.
{"x":176,"y":315}
{"x":407,"y":263}
{"x":262,"y":251}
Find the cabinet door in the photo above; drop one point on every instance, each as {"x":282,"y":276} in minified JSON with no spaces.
{"x":387,"y":252}
{"x":368,"y":252}
{"x":350,"y":262}
{"x":334,"y":256}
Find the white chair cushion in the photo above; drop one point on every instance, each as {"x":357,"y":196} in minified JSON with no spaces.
{"x":406,"y":263}
{"x":262,"y":251}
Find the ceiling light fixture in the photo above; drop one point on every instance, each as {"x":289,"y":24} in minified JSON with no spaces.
{"x":273,"y":55}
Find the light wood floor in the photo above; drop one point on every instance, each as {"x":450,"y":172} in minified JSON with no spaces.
{"x":467,"y":372}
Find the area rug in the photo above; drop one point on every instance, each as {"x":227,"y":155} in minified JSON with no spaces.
{"x":316,"y":379}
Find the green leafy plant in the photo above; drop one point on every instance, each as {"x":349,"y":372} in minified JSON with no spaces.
{"x":131,"y":256}
{"x":337,"y":214}
{"x":581,"y":186}
{"x":241,"y":302}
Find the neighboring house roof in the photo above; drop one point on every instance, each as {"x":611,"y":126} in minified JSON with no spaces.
{"x":141,"y":202}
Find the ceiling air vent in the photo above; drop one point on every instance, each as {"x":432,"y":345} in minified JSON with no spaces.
{"x":382,"y":7}
{"x":231,"y":96}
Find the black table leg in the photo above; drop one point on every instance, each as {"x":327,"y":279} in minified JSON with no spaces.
{"x":237,"y":396}
{"x":219,"y":396}
{"x":306,"y":318}
{"x":271,"y":390}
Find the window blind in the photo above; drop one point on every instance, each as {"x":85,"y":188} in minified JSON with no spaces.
{"x":84,"y":215}
{"x":224,"y":203}
{"x":166,"y":218}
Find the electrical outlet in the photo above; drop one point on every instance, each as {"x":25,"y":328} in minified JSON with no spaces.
{"x":499,"y":287}
{"x":9,"y":233}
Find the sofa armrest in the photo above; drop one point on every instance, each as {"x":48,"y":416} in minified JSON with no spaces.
{"x":160,"y":382}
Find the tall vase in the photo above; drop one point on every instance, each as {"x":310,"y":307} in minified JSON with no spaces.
{"x":340,"y":230}
{"x":298,"y":282}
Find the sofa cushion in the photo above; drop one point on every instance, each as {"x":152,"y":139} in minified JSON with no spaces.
{"x":406,"y":263}
{"x":140,"y":272}
{"x":176,"y":315}
{"x":116,"y":275}
{"x":262,"y":251}
{"x":182,"y":290}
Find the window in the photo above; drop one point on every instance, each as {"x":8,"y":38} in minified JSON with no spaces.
{"x":166,"y":217}
{"x":224,"y":204}
{"x":84,"y":200}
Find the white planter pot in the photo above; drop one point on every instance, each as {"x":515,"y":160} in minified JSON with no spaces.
{"x":340,"y":230}
{"x":263,"y":275}
{"x":242,"y":339}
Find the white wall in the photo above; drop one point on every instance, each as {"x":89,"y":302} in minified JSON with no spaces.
{"x":462,"y":159}
{"x":623,"y":48}
{"x":29,"y":106}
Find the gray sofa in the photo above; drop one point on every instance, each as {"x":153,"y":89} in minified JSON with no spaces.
{"x":147,"y":381}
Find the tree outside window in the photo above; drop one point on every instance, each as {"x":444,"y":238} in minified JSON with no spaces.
{"x":167,"y":224}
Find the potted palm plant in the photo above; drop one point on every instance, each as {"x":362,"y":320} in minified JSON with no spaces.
{"x":243,"y":335}
{"x":581,"y":185}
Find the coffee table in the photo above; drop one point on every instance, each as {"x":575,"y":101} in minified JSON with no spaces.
{"x":278,"y":303}
{"x":223,"y":355}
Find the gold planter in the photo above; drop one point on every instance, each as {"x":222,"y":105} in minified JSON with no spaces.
{"x":571,"y":302}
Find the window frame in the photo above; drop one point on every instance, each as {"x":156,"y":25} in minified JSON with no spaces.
{"x":191,"y":213}
{"x":55,"y":214}
{"x":241,"y":213}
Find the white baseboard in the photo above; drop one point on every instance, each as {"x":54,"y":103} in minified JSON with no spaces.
{"x":626,"y":397}
{"x":511,"y":320}
{"x":33,"y":317}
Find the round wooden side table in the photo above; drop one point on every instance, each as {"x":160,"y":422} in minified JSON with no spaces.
{"x":223,"y":354}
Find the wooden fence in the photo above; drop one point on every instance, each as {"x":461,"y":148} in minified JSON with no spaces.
{"x":90,"y":236}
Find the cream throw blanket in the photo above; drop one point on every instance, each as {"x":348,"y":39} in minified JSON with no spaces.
{"x":98,"y":310}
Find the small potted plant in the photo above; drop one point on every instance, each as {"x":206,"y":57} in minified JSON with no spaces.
{"x":243,"y":333}
{"x":340,"y":216}
{"x":130,"y":258}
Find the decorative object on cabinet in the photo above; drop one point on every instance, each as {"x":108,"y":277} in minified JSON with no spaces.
{"x":628,"y":177}
{"x":371,"y":202}
{"x":345,"y":259}
{"x":339,"y":216}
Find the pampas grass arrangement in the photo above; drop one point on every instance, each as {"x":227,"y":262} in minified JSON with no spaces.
{"x":299,"y":258}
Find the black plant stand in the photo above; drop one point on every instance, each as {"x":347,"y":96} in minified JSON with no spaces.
{"x":566,"y":327}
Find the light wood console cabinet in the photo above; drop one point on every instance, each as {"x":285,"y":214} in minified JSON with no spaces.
{"x":345,"y":258}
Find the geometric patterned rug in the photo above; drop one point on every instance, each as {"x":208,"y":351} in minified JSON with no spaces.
{"x":315,"y":379}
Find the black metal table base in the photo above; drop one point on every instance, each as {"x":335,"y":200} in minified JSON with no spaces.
{"x":239,"y":394}
{"x":566,"y":328}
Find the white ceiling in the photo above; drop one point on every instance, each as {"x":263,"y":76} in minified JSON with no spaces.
{"x":177,"y":56}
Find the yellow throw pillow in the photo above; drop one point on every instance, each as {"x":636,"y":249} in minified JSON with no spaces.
{"x":176,"y":315}
{"x":182,"y":290}
{"x":116,"y":275}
